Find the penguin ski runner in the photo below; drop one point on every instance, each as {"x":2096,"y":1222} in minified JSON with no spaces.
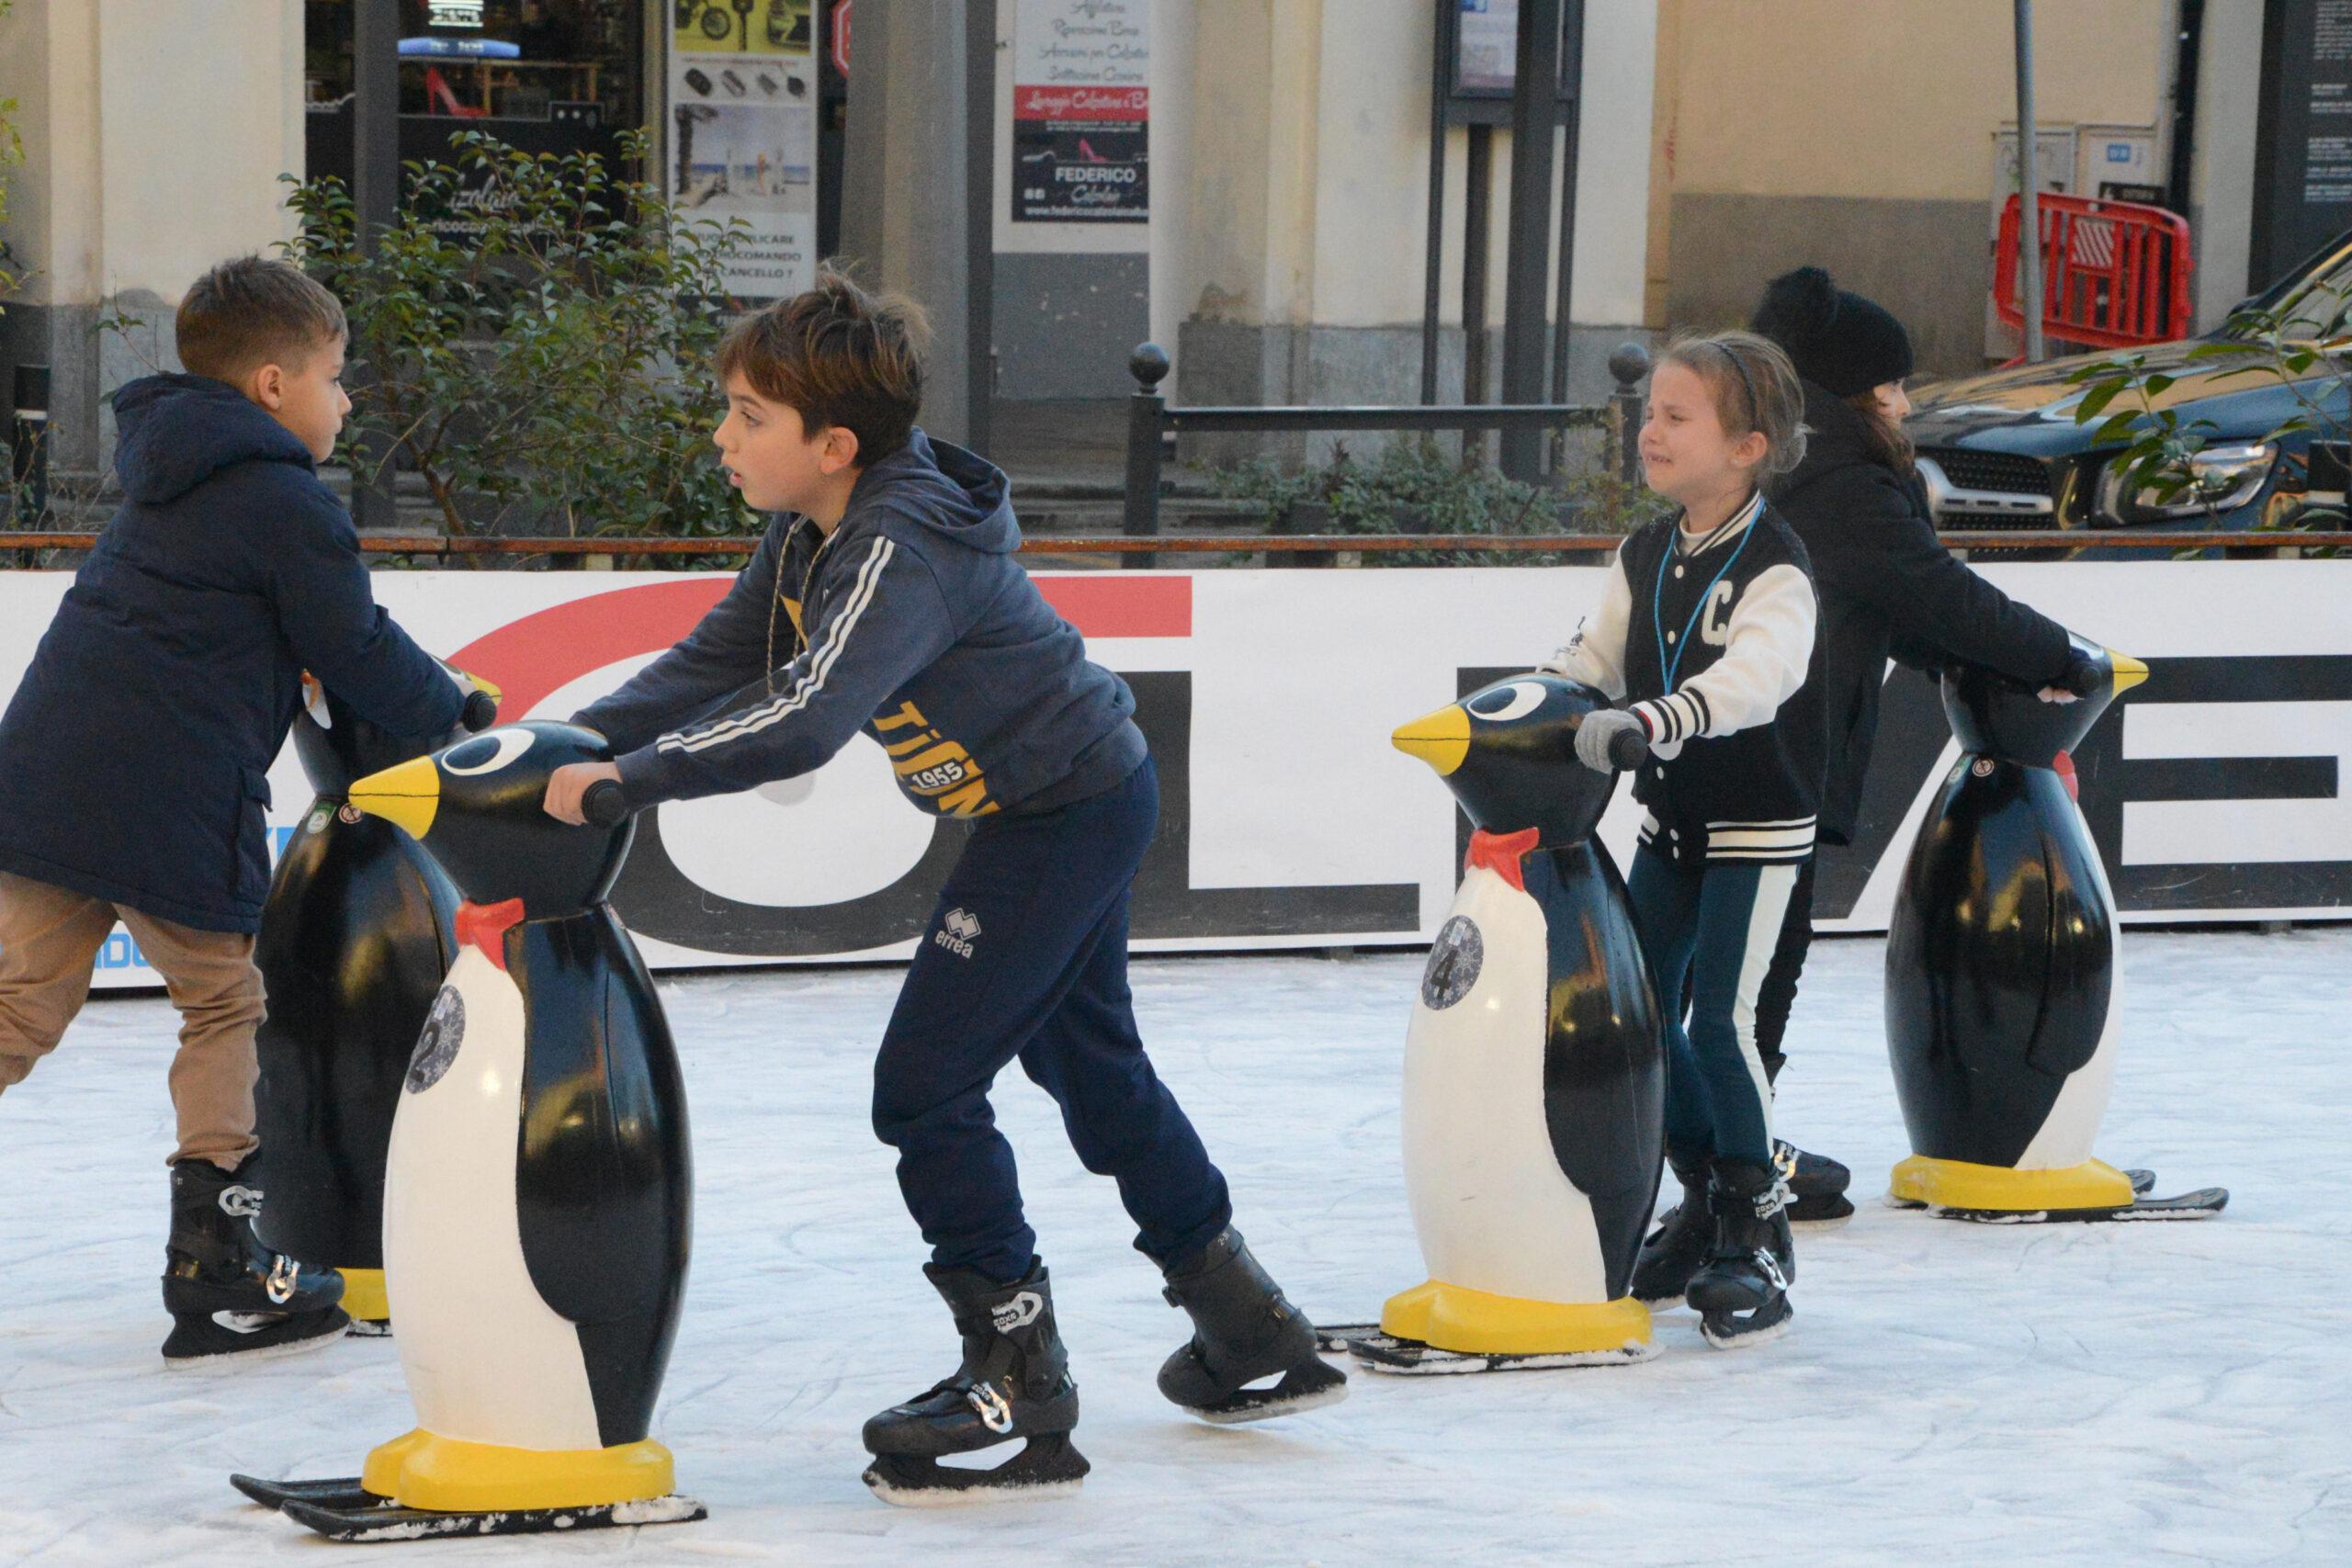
{"x":1535,"y":1068}
{"x":886,"y":599}
{"x":2001,"y":1027}
{"x":536,"y":1197}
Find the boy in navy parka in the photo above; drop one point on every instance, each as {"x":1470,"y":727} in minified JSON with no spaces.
{"x":887,"y":598}
{"x":133,"y":757}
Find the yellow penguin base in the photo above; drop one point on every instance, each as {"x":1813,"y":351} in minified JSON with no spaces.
{"x":1956,"y":1184}
{"x":363,"y":1295}
{"x":424,"y":1469}
{"x":1454,"y":1317}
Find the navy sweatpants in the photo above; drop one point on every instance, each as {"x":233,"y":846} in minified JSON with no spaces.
{"x":1026,"y":956}
{"x":1709,"y":932}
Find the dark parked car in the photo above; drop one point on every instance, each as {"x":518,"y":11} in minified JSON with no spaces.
{"x":2003,"y":450}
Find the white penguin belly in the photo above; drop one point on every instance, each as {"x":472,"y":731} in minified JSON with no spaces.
{"x":2068,"y":1134}
{"x":1493,"y":1209}
{"x":487,"y":1360}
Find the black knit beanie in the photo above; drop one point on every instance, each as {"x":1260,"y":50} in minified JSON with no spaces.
{"x":1840,"y":342}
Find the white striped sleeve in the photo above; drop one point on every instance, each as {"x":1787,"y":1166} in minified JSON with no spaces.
{"x":884,"y":621}
{"x":1596,"y":655}
{"x":1769,"y":647}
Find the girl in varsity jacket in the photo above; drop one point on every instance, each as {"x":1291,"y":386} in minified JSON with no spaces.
{"x":1707,"y":627}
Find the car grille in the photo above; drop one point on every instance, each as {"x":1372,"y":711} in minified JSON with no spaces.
{"x":2004,"y":472}
{"x":1991,"y":493}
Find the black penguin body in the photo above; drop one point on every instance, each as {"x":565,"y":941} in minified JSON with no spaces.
{"x":2001,"y":962}
{"x":355,"y":940}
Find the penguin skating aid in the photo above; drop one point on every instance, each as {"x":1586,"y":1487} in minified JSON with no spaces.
{"x":1535,"y":1068}
{"x":355,"y":939}
{"x":2002,"y":976}
{"x":537,"y":1191}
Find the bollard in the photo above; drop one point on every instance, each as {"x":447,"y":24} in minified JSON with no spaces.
{"x":1628,"y":363}
{"x":28,"y":446}
{"x":1149,"y":366}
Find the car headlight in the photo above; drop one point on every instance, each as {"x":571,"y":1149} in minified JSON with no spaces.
{"x":2218,"y":480}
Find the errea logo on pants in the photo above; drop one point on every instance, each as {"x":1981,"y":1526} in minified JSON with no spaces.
{"x":956,"y":929}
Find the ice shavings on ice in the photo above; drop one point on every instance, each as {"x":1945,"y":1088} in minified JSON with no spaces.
{"x":1950,"y":1394}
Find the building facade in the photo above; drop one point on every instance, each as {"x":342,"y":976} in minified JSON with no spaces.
{"x":1259,"y":207}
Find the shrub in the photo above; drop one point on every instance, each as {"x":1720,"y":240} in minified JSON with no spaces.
{"x":533,"y":336}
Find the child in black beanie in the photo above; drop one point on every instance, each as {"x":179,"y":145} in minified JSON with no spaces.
{"x":1886,"y":587}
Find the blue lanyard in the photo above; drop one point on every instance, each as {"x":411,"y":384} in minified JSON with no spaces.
{"x":1658,"y":600}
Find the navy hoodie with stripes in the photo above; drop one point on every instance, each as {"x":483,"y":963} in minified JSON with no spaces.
{"x":913,"y":621}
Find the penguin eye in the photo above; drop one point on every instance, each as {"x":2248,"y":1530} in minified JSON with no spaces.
{"x":487,"y":754}
{"x":1506,"y":703}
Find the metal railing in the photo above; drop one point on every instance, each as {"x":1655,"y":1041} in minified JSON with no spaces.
{"x":1150,"y":424}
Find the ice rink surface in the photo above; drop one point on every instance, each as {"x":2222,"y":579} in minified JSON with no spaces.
{"x":2097,"y":1395}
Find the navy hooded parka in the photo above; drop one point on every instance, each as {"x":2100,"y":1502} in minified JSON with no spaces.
{"x":134,"y":755}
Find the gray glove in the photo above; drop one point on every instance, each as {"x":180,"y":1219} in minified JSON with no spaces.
{"x":1601,"y":727}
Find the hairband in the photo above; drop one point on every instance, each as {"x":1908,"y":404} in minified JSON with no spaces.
{"x":1755,"y":408}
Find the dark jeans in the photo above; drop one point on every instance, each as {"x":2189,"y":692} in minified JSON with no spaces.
{"x":1708,"y":930}
{"x":1026,"y":956}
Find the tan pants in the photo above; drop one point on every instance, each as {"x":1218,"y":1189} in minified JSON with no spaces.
{"x":48,"y":942}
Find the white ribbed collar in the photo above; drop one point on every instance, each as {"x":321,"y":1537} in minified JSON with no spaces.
{"x":1731,"y":528}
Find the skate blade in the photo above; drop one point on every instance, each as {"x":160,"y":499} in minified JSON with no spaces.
{"x":1295,"y":1395}
{"x":341,"y":1492}
{"x":1739,"y":1337}
{"x":1411,"y":1357}
{"x":389,"y":1521}
{"x":2201,"y":1204}
{"x":371,"y":1328}
{"x":1332,"y":1339}
{"x":1048,"y":1466}
{"x":200,"y":1344}
{"x":1663,"y":1303}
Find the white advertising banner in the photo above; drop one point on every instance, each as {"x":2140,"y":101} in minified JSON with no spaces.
{"x":2215,"y":790}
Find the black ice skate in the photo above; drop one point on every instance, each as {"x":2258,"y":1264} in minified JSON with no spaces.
{"x":228,"y":1294}
{"x":1672,"y":1253}
{"x":1014,"y":1382}
{"x":1817,"y":1200}
{"x":1742,"y":1291}
{"x":1245,"y":1332}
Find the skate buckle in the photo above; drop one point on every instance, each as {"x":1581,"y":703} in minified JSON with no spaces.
{"x":1770,"y":1265}
{"x":281,"y":1283}
{"x":996,"y":1415}
{"x":240,"y":1203}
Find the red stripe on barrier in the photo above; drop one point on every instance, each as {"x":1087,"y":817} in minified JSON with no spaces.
{"x":1122,"y":606}
{"x":542,"y":652}
{"x":532,"y":656}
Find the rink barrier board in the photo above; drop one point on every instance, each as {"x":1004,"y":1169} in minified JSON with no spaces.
{"x":2215,"y":790}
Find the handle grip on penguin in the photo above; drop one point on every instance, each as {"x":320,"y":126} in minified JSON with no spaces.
{"x":480,"y":712}
{"x":601,"y":804}
{"x":1626,"y":750}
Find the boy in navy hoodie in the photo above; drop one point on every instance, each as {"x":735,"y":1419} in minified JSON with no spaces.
{"x":133,"y":757}
{"x":886,"y":598}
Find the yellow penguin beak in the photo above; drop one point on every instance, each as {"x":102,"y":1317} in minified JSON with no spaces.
{"x":406,"y":797}
{"x":2129,"y":672}
{"x":482,"y":684}
{"x":1441,"y":738}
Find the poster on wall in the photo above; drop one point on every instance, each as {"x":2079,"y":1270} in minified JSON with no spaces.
{"x":1081,"y":111}
{"x":743,"y":134}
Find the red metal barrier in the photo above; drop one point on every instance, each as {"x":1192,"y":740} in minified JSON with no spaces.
{"x":2114,"y":274}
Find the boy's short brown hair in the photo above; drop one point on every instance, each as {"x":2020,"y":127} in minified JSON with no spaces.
{"x":836,"y":355}
{"x":248,"y":312}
